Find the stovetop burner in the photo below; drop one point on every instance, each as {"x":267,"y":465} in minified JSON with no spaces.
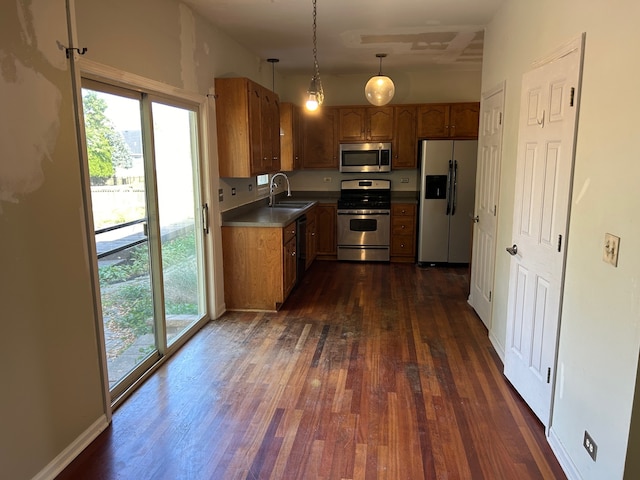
{"x":365,"y":194}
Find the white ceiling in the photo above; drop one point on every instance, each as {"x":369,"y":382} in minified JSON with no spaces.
{"x":416,"y":34}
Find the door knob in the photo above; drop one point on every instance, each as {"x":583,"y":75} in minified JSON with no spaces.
{"x":512,"y":250}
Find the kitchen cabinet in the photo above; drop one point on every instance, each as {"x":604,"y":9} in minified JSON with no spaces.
{"x":372,"y":124}
{"x":289,"y":260}
{"x":291,"y":137}
{"x":248,"y":127}
{"x":454,"y":120}
{"x":311,"y":240}
{"x":320,"y":139}
{"x":405,"y":143}
{"x":326,"y":217}
{"x":403,"y":232}
{"x":259,"y":266}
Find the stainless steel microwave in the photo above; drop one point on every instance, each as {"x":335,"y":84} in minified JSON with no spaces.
{"x":365,"y":157}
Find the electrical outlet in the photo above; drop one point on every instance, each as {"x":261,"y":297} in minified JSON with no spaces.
{"x":220,"y":195}
{"x":233,"y":191}
{"x":326,"y":179}
{"x":611,"y":247}
{"x":404,"y":180}
{"x":590,"y":446}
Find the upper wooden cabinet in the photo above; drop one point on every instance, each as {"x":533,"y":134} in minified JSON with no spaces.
{"x":454,"y":120}
{"x":405,"y":144}
{"x":320,"y":139}
{"x":373,"y":124}
{"x":248,"y":126}
{"x":291,"y":137}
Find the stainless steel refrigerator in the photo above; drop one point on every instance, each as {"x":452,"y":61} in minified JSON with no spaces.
{"x":447,"y":198}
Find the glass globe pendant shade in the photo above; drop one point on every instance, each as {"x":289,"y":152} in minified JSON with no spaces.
{"x":379,"y":90}
{"x":316,"y":95}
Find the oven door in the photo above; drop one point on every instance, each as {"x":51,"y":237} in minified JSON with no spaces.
{"x":363,"y":235}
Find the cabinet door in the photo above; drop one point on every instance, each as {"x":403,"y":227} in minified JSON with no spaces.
{"x":311,"y":240}
{"x":433,"y":121}
{"x":291,"y":137}
{"x":465,"y":118}
{"x":351,"y":124}
{"x":298,"y":138}
{"x":405,"y":143}
{"x":379,"y":124}
{"x":256,"y":124}
{"x":311,"y":243}
{"x":270,"y":113}
{"x":289,"y":265}
{"x":320,"y":139}
{"x":326,"y":216}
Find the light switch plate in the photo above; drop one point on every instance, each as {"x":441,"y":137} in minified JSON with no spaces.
{"x":611,"y":247}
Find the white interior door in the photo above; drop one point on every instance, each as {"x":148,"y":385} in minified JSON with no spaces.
{"x":486,"y":203}
{"x":548,"y":114}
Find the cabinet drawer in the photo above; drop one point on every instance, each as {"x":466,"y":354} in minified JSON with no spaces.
{"x":403,"y":209}
{"x":402,"y":245}
{"x":402,"y":226}
{"x":288,"y":232}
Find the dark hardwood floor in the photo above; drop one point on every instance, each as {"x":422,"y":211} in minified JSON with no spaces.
{"x":369,"y":371}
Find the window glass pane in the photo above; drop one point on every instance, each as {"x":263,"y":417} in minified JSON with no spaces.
{"x":176,"y":160}
{"x":262,"y":180}
{"x":118,"y":197}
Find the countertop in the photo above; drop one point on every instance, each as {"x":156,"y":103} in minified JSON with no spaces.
{"x":259,"y":214}
{"x":264,"y":216}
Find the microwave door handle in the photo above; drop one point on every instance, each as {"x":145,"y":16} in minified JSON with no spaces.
{"x":380,"y":158}
{"x":449,"y":173}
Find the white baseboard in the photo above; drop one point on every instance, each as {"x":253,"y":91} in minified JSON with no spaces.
{"x":496,"y":345}
{"x":563,"y":457}
{"x":53,"y":469}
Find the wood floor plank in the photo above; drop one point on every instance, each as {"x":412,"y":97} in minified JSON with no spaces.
{"x":369,"y":371}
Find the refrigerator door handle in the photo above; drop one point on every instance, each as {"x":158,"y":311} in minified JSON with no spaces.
{"x":454,"y":187}
{"x":449,"y":175}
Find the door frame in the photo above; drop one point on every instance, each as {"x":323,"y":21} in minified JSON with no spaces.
{"x":85,"y":68}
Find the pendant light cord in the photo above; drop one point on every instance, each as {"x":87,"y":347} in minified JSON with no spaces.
{"x":315,"y":46}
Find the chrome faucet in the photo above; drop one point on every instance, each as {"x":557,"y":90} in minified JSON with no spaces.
{"x":272,"y":186}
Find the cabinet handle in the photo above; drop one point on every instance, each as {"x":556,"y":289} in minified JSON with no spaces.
{"x":403,"y":227}
{"x":293,"y":254}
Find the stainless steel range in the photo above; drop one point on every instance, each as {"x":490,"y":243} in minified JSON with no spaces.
{"x":364,"y":220}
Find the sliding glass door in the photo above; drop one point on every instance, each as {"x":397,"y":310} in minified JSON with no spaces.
{"x":144,"y":174}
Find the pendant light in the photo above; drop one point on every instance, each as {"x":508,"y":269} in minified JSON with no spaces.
{"x":380,"y":89}
{"x":315,"y":92}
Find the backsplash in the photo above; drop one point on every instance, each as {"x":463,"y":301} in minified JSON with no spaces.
{"x":307,"y":180}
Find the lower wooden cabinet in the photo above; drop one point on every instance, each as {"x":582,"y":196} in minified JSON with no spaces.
{"x":312,"y":237}
{"x":403,"y":232}
{"x":259,"y":266}
{"x":326,"y":217}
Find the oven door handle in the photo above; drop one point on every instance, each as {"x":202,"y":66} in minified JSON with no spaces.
{"x":361,"y":213}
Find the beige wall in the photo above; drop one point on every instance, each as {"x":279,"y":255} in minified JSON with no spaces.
{"x":49,"y":361}
{"x":600,"y":326}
